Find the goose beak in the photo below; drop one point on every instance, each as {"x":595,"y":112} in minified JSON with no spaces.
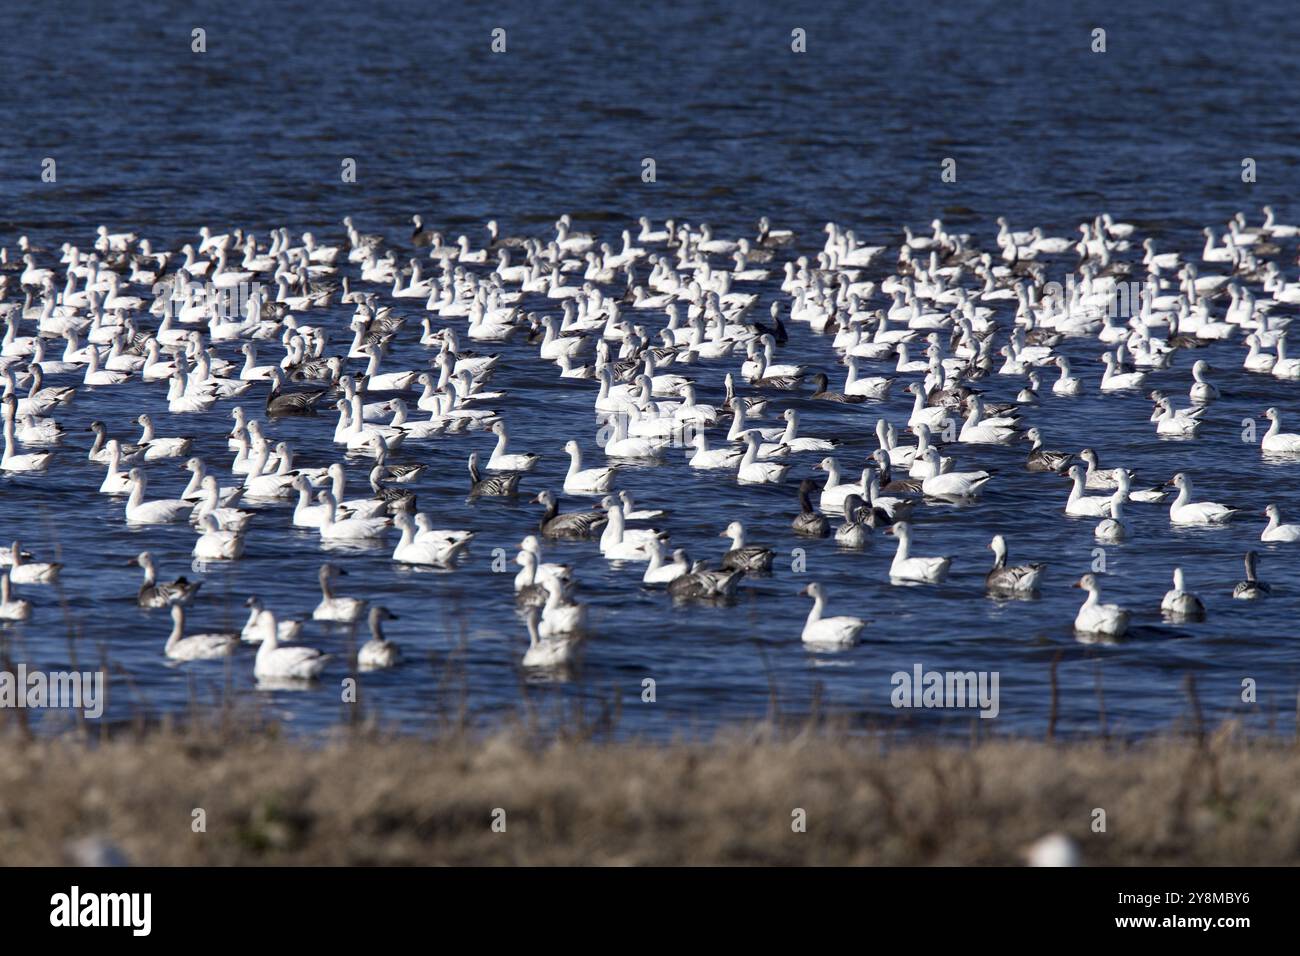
{"x":803,"y":591}
{"x":1076,"y":584}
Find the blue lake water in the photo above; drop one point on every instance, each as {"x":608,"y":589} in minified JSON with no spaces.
{"x":152,"y":137}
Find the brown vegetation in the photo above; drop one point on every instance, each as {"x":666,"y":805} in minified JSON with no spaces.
{"x":363,"y":797}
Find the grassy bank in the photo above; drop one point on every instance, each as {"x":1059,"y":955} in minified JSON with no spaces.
{"x":368,"y":798}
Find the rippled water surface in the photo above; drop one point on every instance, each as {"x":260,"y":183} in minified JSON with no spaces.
{"x":151,"y":137}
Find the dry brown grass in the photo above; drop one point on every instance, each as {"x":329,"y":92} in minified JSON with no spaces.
{"x":363,"y":797}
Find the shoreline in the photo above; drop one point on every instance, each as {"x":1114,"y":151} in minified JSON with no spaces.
{"x":231,"y":794}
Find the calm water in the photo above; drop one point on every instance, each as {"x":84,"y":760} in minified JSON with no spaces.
{"x":152,"y":137}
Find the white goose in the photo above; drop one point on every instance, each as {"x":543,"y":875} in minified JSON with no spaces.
{"x":196,"y":647}
{"x":213,"y":544}
{"x":1187,"y":512}
{"x":13,"y":460}
{"x":952,"y":484}
{"x":1180,"y":604}
{"x":260,"y":621}
{"x":1081,"y":505}
{"x":332,"y":528}
{"x":548,"y":653}
{"x":560,"y":616}
{"x":1115,"y":528}
{"x":755,"y":472}
{"x":159,"y":511}
{"x":585,"y":482}
{"x":906,"y":568}
{"x":22,"y":571}
{"x":503,"y":461}
{"x":1277,"y":441}
{"x":1276,"y":530}
{"x":286,"y":663}
{"x":432,"y":551}
{"x":12,"y":607}
{"x":660,"y":572}
{"x":332,"y":607}
{"x":620,"y":543}
{"x":817,"y":629}
{"x":378,"y":652}
{"x":1109,"y":620}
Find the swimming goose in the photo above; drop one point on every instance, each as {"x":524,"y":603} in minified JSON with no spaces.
{"x":904,"y":567}
{"x":835,"y":490}
{"x":159,"y":511}
{"x":156,"y":448}
{"x":1202,"y":390}
{"x":1115,"y":528}
{"x":705,"y":584}
{"x":841,"y":630}
{"x":548,"y":653}
{"x":585,"y":482}
{"x":1066,"y":384}
{"x":260,"y":621}
{"x":435,"y":550}
{"x":1109,"y":620}
{"x":854,"y":532}
{"x":873,"y":387}
{"x":333,"y":608}
{"x":155,"y":594}
{"x":754,"y":472}
{"x":575,"y":524}
{"x":500,"y":485}
{"x":1113,"y":380}
{"x":362,"y":507}
{"x":213,"y":544}
{"x":1040,"y":458}
{"x":529,"y":592}
{"x":501,"y":461}
{"x":748,"y":558}
{"x":296,"y":663}
{"x":931,"y":416}
{"x":12,"y":608}
{"x":378,"y":652}
{"x":808,"y":522}
{"x":22,"y":571}
{"x":1276,"y":531}
{"x":1180,"y":604}
{"x":630,"y":512}
{"x":560,"y":616}
{"x":790,"y":441}
{"x":196,"y":647}
{"x":1016,"y":579}
{"x":1080,"y":505}
{"x":334,"y":527}
{"x":1277,"y":441}
{"x":660,"y":572}
{"x":952,"y":484}
{"x":1252,"y":588}
{"x":620,"y":543}
{"x":1284,"y":367}
{"x":710,"y":458}
{"x":620,"y":445}
{"x":14,"y":461}
{"x":1185,"y":511}
{"x":280,"y":403}
{"x":822,"y":393}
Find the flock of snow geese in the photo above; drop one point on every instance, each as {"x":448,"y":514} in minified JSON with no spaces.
{"x":632,"y":325}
